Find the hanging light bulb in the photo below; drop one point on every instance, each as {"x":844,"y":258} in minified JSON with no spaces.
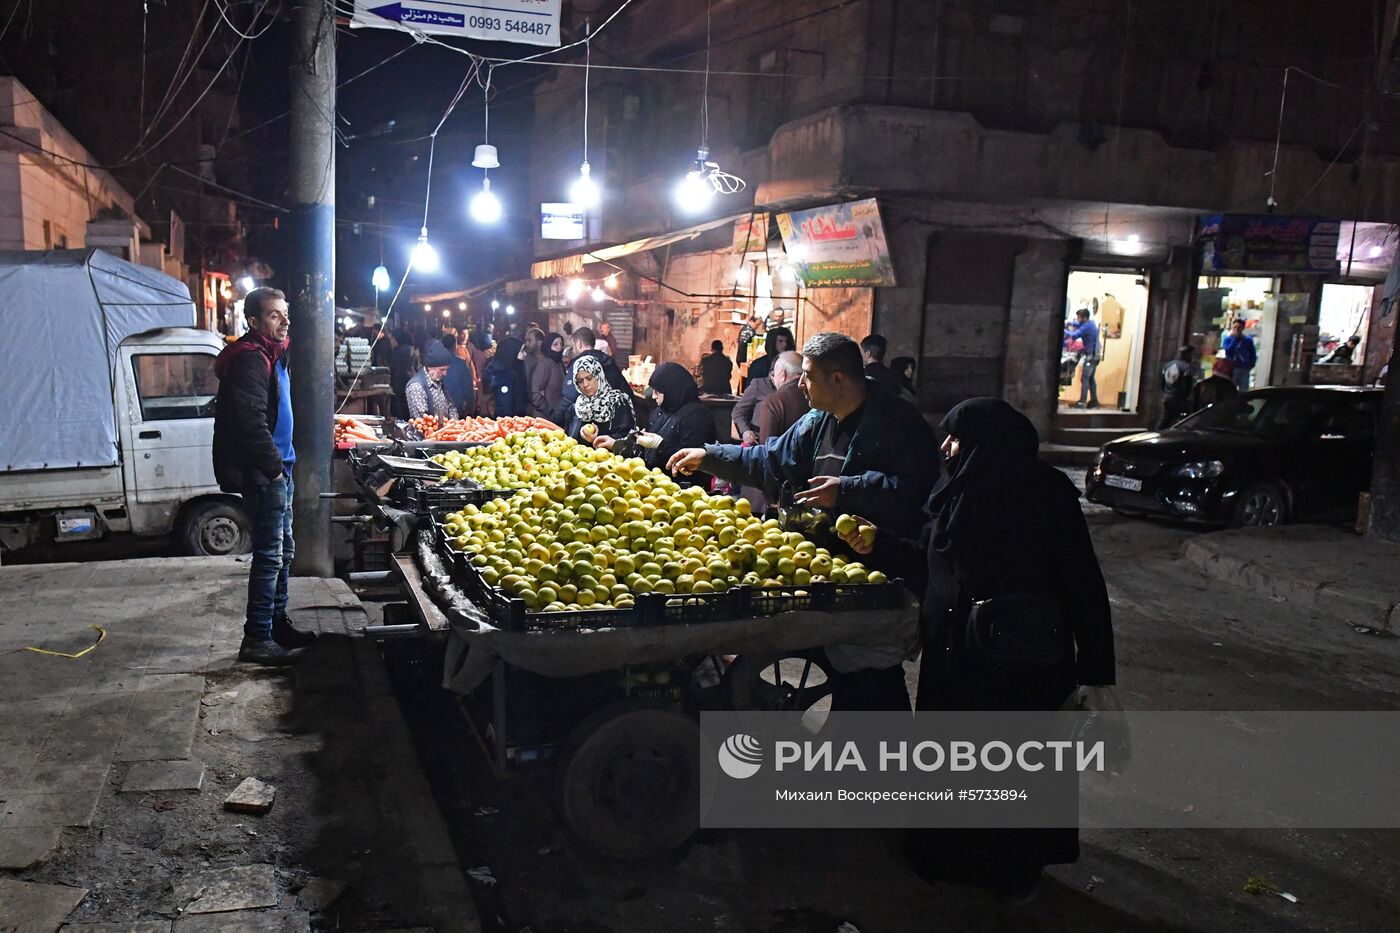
{"x":786,"y":273}
{"x":246,"y":283}
{"x":495,"y":305}
{"x":611,"y":281}
{"x":695,"y":192}
{"x":598,"y":294}
{"x":584,"y":191}
{"x":485,"y":206}
{"x":380,"y":279}
{"x":510,"y":310}
{"x":447,"y":312}
{"x":424,"y":257}
{"x":574,"y":289}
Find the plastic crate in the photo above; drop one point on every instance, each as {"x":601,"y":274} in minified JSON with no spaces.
{"x":441,"y":499}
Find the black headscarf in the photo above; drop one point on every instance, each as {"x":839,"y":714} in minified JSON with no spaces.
{"x":996,"y":463}
{"x":555,"y":355}
{"x":508,"y":353}
{"x":676,"y":384}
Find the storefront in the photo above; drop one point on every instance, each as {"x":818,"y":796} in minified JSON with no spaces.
{"x":1111,"y":352}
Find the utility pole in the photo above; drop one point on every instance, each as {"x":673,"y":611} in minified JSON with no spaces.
{"x":1385,"y":469}
{"x":311,"y":296}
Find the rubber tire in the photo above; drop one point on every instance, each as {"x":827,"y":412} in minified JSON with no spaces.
{"x":744,"y":688}
{"x":629,"y":781}
{"x":191,"y":532}
{"x":1238,"y":518}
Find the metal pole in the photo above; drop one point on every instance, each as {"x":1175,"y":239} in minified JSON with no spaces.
{"x":311,"y":278}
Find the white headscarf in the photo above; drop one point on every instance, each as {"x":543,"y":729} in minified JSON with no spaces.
{"x":601,"y":408}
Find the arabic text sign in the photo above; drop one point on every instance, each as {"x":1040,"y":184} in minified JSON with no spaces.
{"x":838,"y":245}
{"x":533,"y":22}
{"x":751,"y":233}
{"x":1268,"y":243}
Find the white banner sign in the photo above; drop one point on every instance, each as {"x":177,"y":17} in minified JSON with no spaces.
{"x":561,"y":221}
{"x":534,"y":22}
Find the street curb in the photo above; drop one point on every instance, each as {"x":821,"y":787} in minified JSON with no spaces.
{"x":1352,"y":605}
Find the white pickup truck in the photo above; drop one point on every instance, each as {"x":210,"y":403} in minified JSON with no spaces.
{"x":109,"y":407}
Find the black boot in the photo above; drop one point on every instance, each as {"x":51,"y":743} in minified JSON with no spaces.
{"x":266,"y":652}
{"x":288,"y":636}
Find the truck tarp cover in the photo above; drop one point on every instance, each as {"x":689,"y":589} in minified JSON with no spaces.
{"x":64,"y":312}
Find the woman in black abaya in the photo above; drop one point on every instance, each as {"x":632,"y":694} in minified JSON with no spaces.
{"x":1001,"y":523}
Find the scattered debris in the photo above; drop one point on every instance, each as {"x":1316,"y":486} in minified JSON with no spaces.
{"x":847,"y":927}
{"x":550,"y":849}
{"x":160,"y":806}
{"x":485,"y":811}
{"x":1256,"y":885}
{"x":1189,"y":808}
{"x":1217,"y":644}
{"x":482,"y":874}
{"x":1094,"y":882}
{"x":252,"y":796}
{"x":245,"y":887}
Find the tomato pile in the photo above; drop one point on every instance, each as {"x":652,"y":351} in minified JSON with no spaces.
{"x":477,"y":430}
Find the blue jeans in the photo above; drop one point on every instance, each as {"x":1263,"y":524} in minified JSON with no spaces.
{"x":273,"y":549}
{"x":1088,"y":382}
{"x":1242,"y":378}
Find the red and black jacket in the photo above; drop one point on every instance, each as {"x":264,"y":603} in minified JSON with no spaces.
{"x":245,"y":414}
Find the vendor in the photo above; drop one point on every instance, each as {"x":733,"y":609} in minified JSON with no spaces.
{"x":425,"y":393}
{"x":681,"y":420}
{"x":600,"y":409}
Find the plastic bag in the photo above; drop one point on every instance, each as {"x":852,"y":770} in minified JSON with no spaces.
{"x":1101,"y":719}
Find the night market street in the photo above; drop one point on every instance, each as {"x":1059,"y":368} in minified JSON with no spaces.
{"x":1185,"y":642}
{"x":689,"y":466}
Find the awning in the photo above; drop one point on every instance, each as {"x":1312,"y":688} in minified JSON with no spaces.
{"x":573,"y":265}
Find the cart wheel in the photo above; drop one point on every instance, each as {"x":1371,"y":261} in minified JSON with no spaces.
{"x":796,"y":681}
{"x":629,"y":781}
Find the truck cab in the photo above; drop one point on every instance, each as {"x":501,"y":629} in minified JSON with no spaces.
{"x":163,"y":392}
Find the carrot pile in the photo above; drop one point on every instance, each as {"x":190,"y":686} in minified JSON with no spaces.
{"x":349,"y":430}
{"x":477,"y":430}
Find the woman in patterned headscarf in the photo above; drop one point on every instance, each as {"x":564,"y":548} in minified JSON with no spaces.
{"x":601,"y":409}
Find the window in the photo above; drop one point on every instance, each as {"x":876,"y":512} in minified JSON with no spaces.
{"x":175,"y":385}
{"x":1280,"y":415}
{"x":1354,"y":418}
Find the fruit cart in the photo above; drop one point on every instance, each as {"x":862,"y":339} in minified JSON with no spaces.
{"x":611,"y":702}
{"x":606,"y":696}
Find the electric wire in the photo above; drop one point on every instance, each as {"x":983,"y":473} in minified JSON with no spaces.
{"x":223,"y":14}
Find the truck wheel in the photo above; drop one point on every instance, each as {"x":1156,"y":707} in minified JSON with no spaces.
{"x":629,"y":782}
{"x":215,"y":529}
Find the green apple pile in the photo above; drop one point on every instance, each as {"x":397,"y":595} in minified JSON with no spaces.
{"x":596,"y":530}
{"x":518,"y":461}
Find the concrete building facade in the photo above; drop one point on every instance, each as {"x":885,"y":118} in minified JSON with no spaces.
{"x":53,"y":195}
{"x":1025,"y":158}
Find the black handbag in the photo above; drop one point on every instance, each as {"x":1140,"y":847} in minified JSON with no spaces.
{"x":1023,"y":628}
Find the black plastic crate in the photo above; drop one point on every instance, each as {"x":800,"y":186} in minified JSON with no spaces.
{"x":451,"y":497}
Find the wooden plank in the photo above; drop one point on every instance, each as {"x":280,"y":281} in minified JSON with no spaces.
{"x":423,"y":607}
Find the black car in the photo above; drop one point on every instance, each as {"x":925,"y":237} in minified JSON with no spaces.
{"x":1261,"y":458}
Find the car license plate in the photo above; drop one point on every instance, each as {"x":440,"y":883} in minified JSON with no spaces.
{"x":1123,"y":482}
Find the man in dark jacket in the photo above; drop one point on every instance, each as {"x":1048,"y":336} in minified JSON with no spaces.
{"x":860,"y":450}
{"x":583,"y":341}
{"x":1177,"y":378}
{"x":778,"y":340}
{"x":1214,"y":389}
{"x":872,"y":353}
{"x":786,"y":406}
{"x":253,"y":456}
{"x":458,"y":382}
{"x":716,"y":371}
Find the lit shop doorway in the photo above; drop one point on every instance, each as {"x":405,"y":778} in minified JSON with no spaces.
{"x":1116,"y":303}
{"x":1223,"y":299}
{"x":1345,"y":313}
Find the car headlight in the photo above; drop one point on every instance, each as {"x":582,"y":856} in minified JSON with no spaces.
{"x":1200,"y":469}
